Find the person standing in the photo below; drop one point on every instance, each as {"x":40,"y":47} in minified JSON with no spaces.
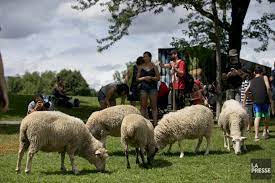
{"x":148,"y":75}
{"x":233,"y":76}
{"x":4,"y":100}
{"x":249,"y":102}
{"x":178,"y":68}
{"x":131,"y":80}
{"x":260,"y":89}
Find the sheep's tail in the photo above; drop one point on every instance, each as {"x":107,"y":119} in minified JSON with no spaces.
{"x":23,"y":138}
{"x":131,"y":132}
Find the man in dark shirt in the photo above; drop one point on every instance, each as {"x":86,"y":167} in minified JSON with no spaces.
{"x":260,"y":89}
{"x":233,"y":76}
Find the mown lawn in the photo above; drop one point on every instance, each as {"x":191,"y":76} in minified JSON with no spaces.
{"x":218,"y":166}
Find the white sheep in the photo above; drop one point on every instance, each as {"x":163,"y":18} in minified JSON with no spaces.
{"x":108,"y":121}
{"x":188,"y":123}
{"x":233,"y":120}
{"x":52,"y":131}
{"x":138,"y":132}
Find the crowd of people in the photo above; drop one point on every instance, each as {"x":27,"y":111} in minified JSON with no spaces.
{"x":255,"y":91}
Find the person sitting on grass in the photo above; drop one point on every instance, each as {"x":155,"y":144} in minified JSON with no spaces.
{"x":107,"y":94}
{"x":39,"y":104}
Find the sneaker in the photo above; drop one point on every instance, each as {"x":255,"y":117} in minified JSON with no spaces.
{"x":256,"y":139}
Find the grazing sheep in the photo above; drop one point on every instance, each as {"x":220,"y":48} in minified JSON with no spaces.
{"x":108,"y":121}
{"x":52,"y":131}
{"x":189,"y":123}
{"x":138,"y":132}
{"x":233,"y":120}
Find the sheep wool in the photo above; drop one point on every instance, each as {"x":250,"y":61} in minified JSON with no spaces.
{"x":233,"y":121}
{"x":188,"y":123}
{"x":138,"y":132}
{"x":108,"y":121}
{"x":52,"y":131}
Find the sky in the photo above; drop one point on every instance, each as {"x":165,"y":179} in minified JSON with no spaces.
{"x":50,"y":35}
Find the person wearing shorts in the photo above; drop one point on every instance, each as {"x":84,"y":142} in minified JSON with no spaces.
{"x":148,"y":75}
{"x":260,"y":89}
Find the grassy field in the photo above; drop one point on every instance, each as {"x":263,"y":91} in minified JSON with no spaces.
{"x":218,"y":166}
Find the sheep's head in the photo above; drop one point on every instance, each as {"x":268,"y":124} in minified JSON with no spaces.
{"x":237,"y":143}
{"x":98,"y":158}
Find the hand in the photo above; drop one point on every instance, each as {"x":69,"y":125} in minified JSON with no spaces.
{"x":161,"y":64}
{"x":38,"y":106}
{"x":5,"y":103}
{"x":147,"y":78}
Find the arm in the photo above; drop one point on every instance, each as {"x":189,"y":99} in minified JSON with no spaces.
{"x":3,"y":87}
{"x":268,"y":89}
{"x":157,"y":77}
{"x":109,"y":95}
{"x":167,"y":66}
{"x":128,"y":74}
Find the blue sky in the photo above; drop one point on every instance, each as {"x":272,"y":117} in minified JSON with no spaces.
{"x":49,"y":35}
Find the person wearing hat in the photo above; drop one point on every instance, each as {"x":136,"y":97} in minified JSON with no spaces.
{"x":261,"y":93}
{"x":178,"y":68}
{"x":233,"y":76}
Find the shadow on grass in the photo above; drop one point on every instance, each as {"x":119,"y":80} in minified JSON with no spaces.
{"x":161,"y":163}
{"x":200,"y":153}
{"x":121,"y":153}
{"x":253,"y":147}
{"x":9,"y":129}
{"x":81,"y":172}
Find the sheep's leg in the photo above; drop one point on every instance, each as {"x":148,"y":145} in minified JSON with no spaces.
{"x":137,"y":159}
{"x":169,"y":149}
{"x":72,"y":158}
{"x":126,"y":152}
{"x":142,"y":156}
{"x":63,"y":168}
{"x":208,"y":138}
{"x":32,"y":150}
{"x":198,"y":145}
{"x":22,"y":149}
{"x":225,"y":145}
{"x":181,"y":148}
{"x":103,"y":140}
{"x":228,"y":143}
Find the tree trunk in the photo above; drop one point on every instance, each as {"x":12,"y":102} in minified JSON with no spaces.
{"x":239,"y":10}
{"x":218,"y":59}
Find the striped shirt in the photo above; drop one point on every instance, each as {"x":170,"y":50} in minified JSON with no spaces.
{"x":245,"y":84}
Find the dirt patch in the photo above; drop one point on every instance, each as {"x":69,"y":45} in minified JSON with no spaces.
{"x":10,"y":148}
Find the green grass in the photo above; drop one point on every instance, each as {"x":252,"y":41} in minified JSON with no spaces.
{"x":218,"y":166}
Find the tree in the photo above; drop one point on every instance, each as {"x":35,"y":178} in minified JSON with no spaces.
{"x":14,"y":84}
{"x":124,"y":11}
{"x":75,"y":84}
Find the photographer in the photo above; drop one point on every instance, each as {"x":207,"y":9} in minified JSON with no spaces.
{"x":39,"y":104}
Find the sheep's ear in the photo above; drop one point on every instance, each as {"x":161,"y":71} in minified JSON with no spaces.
{"x":102,"y":153}
{"x":243,"y":138}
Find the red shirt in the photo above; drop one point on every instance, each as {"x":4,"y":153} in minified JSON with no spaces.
{"x":196,"y":95}
{"x":177,"y":79}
